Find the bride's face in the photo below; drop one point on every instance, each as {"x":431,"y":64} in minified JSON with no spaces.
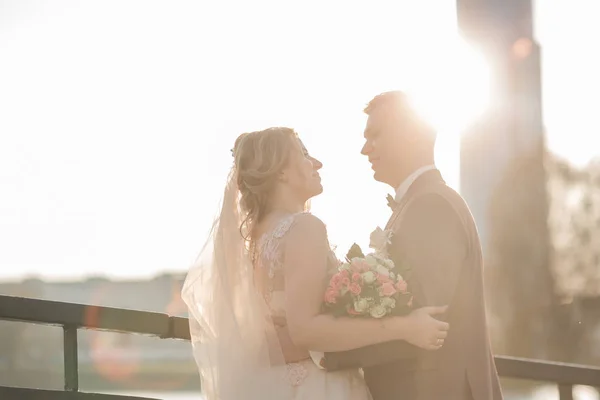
{"x":302,"y":174}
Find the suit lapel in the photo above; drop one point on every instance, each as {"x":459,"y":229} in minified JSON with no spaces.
{"x":428,"y":178}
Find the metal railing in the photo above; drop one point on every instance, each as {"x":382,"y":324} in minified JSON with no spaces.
{"x":72,"y":317}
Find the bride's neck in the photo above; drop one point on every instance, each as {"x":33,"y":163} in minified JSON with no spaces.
{"x":285,"y":203}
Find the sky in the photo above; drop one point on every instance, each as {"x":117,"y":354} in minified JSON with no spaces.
{"x":117,"y":117}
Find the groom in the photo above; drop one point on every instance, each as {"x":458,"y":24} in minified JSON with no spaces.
{"x":434,"y":233}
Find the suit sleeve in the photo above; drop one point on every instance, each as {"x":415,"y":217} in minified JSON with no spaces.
{"x":434,"y":243}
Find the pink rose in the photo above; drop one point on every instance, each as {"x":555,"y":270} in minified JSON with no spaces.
{"x":336,"y":280}
{"x":346,"y":282}
{"x":344,"y":274}
{"x":381,"y":279}
{"x":356,"y":277}
{"x":330,"y":295}
{"x":355,"y":289}
{"x":388,"y":289}
{"x":401,"y":286}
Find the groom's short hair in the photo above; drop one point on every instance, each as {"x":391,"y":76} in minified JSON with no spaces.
{"x":399,"y":101}
{"x":395,"y":98}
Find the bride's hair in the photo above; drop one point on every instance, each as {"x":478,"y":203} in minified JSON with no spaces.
{"x":259,"y":157}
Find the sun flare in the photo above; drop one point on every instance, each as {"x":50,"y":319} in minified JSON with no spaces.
{"x":456,"y":91}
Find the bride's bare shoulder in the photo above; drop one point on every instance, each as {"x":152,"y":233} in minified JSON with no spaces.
{"x":307,"y":243}
{"x":310,"y":221}
{"x":308,"y":227}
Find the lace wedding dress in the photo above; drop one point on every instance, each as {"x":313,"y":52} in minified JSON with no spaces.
{"x":306,"y":379}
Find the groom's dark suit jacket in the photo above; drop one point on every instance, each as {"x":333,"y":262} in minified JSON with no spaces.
{"x":434,"y":232}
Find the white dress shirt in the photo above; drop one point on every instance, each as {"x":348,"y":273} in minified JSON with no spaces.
{"x":405,"y":185}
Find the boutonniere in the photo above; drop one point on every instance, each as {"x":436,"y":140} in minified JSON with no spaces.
{"x":380,"y":239}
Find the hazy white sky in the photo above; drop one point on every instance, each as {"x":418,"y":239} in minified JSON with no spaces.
{"x":116,"y":117}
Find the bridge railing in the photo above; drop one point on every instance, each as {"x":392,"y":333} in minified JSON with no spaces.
{"x":72,"y":317}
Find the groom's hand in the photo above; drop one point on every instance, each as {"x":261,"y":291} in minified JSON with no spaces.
{"x":424,"y":330}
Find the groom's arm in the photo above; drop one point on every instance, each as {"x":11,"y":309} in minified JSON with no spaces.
{"x":432,"y":240}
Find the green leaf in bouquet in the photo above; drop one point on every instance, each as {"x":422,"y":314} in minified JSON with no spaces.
{"x":370,"y":291}
{"x":355,"y":251}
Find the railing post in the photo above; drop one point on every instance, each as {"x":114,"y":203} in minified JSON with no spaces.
{"x":565,"y":392}
{"x":71,"y":362}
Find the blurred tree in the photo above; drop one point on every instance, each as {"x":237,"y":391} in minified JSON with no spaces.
{"x":574,"y":223}
{"x":544,"y":253}
{"x":575,"y":227}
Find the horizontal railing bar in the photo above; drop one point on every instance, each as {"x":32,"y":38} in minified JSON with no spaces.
{"x":537,"y":370}
{"x":179,"y":328}
{"x":12,"y":393}
{"x":92,"y":317}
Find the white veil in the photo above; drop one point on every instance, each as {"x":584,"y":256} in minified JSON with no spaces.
{"x":234,"y":341}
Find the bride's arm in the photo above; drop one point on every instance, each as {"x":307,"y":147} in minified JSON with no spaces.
{"x":305,"y":269}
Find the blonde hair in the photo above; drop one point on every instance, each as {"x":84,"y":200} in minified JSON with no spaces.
{"x":259,"y":157}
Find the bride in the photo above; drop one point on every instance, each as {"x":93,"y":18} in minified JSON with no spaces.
{"x":255,"y":293}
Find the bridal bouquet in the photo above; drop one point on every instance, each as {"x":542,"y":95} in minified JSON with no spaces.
{"x":368,"y":285}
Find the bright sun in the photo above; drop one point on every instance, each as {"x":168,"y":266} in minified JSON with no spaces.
{"x":450,"y":87}
{"x":455,"y":89}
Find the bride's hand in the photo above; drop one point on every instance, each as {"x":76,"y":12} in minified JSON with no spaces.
{"x":423,"y":330}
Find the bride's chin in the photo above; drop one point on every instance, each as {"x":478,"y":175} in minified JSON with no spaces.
{"x":316,"y":192}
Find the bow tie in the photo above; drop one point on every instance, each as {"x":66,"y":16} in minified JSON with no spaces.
{"x":392,"y":203}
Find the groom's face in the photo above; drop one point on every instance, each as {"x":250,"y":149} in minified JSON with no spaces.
{"x":384,"y":144}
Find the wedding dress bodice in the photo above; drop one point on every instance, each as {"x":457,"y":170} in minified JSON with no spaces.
{"x":270,"y":264}
{"x":300,"y":371}
{"x":270,"y":281}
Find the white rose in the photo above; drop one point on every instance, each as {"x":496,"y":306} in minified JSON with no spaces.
{"x":388,"y":302}
{"x":378,"y":256}
{"x":389,"y":264}
{"x":361,"y":305}
{"x":377,"y":311}
{"x":344,"y":266}
{"x":368,"y":277}
{"x":372,"y":261}
{"x":381,"y":270}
